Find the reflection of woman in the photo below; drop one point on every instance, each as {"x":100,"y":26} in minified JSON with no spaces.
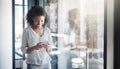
{"x":74,"y":23}
{"x":73,"y":44}
{"x":74,"y":32}
{"x":74,"y":20}
{"x":36,"y":40}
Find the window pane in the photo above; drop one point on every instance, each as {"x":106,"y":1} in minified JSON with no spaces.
{"x":78,"y":33}
{"x":18,"y":30}
{"x":26,"y":10}
{"x":20,"y":2}
{"x":95,"y":29}
{"x":26,"y":2}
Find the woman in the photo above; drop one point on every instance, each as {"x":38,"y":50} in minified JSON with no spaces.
{"x":36,"y":39}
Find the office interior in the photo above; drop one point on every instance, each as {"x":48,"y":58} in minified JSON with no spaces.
{"x":91,"y":42}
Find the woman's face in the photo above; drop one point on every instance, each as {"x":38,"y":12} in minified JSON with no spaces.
{"x":39,"y":21}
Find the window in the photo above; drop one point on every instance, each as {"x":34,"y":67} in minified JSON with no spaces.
{"x":21,"y":8}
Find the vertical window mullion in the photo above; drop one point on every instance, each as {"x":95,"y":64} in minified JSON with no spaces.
{"x":23,"y":7}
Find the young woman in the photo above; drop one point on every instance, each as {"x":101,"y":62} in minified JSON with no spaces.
{"x":36,"y":39}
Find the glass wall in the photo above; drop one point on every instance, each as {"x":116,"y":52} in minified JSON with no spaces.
{"x":78,"y":33}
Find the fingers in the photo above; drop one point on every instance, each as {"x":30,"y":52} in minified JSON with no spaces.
{"x":42,"y":45}
{"x":38,"y":46}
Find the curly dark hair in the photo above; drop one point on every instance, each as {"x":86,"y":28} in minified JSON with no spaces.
{"x":34,"y":12}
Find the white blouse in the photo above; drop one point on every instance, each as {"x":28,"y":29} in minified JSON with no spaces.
{"x":29,"y":39}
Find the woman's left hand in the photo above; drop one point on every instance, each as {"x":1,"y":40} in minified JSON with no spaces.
{"x":47,"y":47}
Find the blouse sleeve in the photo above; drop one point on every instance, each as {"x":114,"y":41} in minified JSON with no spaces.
{"x":24,"y":42}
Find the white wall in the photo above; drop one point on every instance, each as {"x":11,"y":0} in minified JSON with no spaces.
{"x":110,"y":22}
{"x":5,"y":34}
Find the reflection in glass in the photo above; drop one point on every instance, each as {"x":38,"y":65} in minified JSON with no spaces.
{"x":80,"y":33}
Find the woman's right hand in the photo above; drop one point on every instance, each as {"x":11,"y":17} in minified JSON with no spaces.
{"x":38,"y":46}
